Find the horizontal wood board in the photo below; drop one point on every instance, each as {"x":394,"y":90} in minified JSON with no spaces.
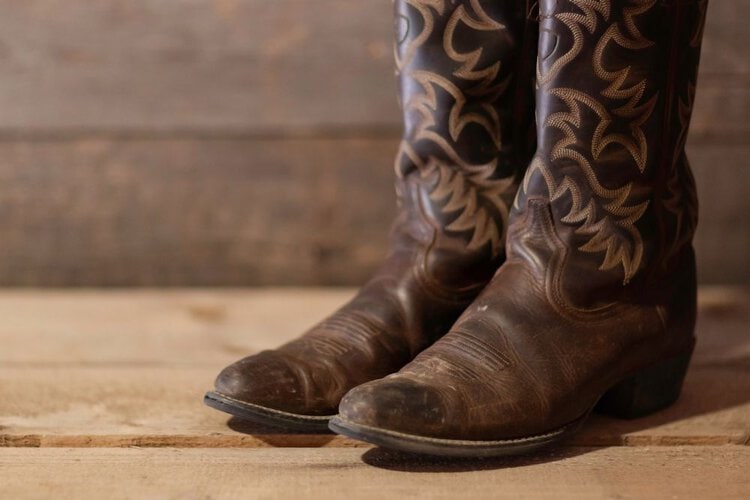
{"x":247,"y":142}
{"x":110,"y":369}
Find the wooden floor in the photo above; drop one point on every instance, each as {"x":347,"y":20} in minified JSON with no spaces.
{"x":100,"y":397}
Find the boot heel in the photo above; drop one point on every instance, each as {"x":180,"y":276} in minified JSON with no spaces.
{"x":649,"y":390}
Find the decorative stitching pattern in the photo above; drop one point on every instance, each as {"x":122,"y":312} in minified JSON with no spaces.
{"x":468,"y":198}
{"x":551,"y":335}
{"x":607,"y":216}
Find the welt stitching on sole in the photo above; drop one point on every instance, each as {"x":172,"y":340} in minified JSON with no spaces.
{"x":459,"y":442}
{"x":270,"y":411}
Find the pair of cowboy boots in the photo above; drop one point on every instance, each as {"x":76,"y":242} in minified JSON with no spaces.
{"x":536,"y":274}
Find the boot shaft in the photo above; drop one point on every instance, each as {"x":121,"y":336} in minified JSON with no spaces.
{"x":458,"y":65}
{"x":616,"y":82}
{"x":465,"y":70}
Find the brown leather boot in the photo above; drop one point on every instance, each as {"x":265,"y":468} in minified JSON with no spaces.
{"x":595,"y":306}
{"x":466,"y":73}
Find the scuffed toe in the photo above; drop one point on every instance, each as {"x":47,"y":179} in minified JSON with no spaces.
{"x":264,"y":379}
{"x":396,"y":404}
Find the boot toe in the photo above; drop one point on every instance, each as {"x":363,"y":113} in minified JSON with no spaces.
{"x":264,"y":379}
{"x":396,"y":404}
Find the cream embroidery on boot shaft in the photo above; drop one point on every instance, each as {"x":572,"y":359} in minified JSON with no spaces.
{"x":607,"y":216}
{"x":468,"y":197}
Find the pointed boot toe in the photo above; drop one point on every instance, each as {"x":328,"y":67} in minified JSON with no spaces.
{"x":391,"y":406}
{"x":265,"y":389}
{"x":263,"y":379}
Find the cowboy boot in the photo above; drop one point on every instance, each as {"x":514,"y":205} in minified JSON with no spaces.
{"x":466,"y":71}
{"x":595,"y":306}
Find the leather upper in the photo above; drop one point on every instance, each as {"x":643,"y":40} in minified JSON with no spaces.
{"x":465,"y":70}
{"x":600,"y":277}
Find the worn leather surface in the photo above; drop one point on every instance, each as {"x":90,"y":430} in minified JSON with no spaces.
{"x":600,"y":277}
{"x":466,"y":75}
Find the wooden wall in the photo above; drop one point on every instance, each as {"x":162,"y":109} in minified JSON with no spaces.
{"x":249,"y":142}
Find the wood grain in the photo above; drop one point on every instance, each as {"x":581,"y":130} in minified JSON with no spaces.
{"x":100,"y":396}
{"x":193,"y":212}
{"x":154,"y":328}
{"x":576,"y":473}
{"x":207,"y":328}
{"x":288,"y":66}
{"x":162,"y":407}
{"x":252,"y":212}
{"x":722,"y":242}
{"x":247,"y":142}
{"x":94,"y":369}
{"x":191,"y":65}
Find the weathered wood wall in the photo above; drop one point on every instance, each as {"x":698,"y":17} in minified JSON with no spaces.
{"x":197,"y":142}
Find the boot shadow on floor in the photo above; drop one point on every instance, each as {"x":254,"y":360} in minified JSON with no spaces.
{"x":274,"y":436}
{"x":237,"y":424}
{"x":405,"y":462}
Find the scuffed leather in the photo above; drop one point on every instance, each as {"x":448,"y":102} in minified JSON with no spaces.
{"x":466,"y":76}
{"x":600,"y":277}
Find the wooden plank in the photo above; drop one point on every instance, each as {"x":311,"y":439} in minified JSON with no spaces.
{"x":206,"y":212}
{"x":248,"y":65}
{"x":134,"y":406}
{"x":723,"y":95}
{"x":721,"y":105}
{"x":126,"y":406}
{"x":722,"y":174}
{"x":577,"y":473}
{"x":139,"y":382}
{"x":157,"y":328}
{"x":252,"y":212}
{"x":726,"y":38}
{"x":191,"y":65}
{"x":162,"y":407}
{"x":207,"y":328}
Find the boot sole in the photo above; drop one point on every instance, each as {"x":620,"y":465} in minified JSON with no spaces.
{"x":267,"y":416}
{"x":421,"y":445}
{"x":650,"y":390}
